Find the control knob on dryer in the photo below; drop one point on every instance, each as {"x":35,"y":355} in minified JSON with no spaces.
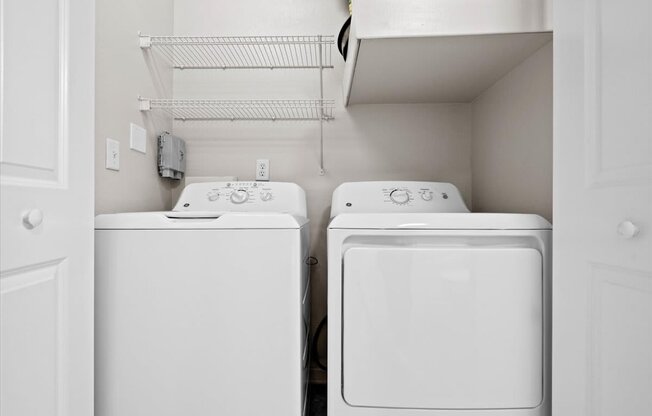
{"x":400,"y":196}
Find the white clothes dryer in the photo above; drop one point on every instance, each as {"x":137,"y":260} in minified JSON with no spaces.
{"x":435,"y":311}
{"x":205,"y":310}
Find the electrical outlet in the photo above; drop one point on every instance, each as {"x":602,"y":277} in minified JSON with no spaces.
{"x":112,"y":154}
{"x":262,"y":169}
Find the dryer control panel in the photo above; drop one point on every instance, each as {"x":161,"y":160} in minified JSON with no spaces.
{"x":396,"y":196}
{"x":243,"y":197}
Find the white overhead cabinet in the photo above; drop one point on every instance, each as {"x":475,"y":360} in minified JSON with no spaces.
{"x":417,"y":51}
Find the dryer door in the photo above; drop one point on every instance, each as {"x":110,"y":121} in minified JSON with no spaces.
{"x":443,"y":328}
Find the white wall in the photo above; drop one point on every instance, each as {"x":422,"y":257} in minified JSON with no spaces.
{"x":512,"y":140}
{"x":122,"y":73}
{"x":402,"y":142}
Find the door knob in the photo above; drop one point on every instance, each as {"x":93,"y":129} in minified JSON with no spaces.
{"x":32,"y":218}
{"x":627,"y":229}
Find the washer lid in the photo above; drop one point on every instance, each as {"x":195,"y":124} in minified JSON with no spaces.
{"x":198,"y":220}
{"x":445,"y":221}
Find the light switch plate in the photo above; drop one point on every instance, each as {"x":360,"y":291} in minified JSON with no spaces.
{"x":137,"y":138}
{"x":112,"y":154}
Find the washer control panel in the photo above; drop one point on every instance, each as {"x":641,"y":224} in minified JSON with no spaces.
{"x":398,"y":196}
{"x":243,"y":197}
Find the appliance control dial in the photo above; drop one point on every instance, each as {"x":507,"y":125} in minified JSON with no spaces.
{"x":213,"y":196}
{"x":400,"y":196}
{"x":426,"y":195}
{"x":239,"y":196}
{"x":265,"y":196}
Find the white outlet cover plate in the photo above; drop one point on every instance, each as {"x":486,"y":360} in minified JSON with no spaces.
{"x":112,"y":154}
{"x":262,"y":169}
{"x":137,"y":138}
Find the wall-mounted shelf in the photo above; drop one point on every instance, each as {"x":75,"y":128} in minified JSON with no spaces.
{"x":234,"y":110}
{"x":243,"y":52}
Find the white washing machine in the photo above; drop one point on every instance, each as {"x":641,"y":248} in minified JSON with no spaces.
{"x":435,"y":311}
{"x":205,"y":310}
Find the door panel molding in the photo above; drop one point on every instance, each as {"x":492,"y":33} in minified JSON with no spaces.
{"x":35,"y":316}
{"x":17,"y":169}
{"x":601,"y":88}
{"x":620,"y":302}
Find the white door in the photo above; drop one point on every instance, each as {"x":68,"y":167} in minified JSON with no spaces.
{"x":46,"y":162}
{"x":602,"y":274}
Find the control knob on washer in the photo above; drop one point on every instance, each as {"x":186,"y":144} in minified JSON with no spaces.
{"x":265,"y":196}
{"x":239,"y":196}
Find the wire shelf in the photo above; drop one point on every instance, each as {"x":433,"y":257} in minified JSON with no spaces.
{"x":233,"y":110}
{"x":243,"y":52}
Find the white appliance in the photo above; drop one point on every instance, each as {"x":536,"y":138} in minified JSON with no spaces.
{"x":205,"y":310}
{"x":435,"y":311}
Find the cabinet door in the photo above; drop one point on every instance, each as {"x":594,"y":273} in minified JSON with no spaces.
{"x":602,"y":274}
{"x":46,"y":184}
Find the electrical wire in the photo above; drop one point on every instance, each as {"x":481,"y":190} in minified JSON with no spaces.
{"x":315,"y":343}
{"x":313,"y":261}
